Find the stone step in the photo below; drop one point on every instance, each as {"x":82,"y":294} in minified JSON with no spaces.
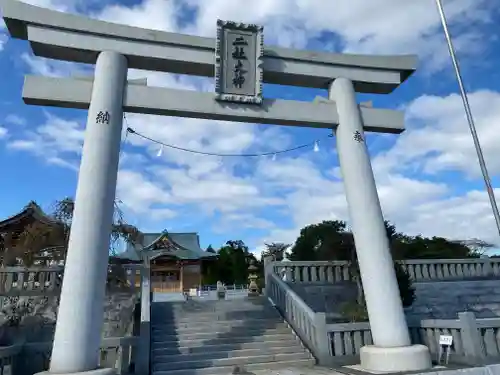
{"x":218,"y":341}
{"x":205,"y":348}
{"x":159,"y":318}
{"x":203,"y":356}
{"x":233,"y":315}
{"x":235,"y":361}
{"x":252,"y":302}
{"x":233,"y":306}
{"x":230,"y":332}
{"x":218,"y":325}
{"x":215,"y":305}
{"x":304,"y":364}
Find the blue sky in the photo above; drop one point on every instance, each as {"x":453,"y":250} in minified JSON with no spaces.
{"x":428,"y":177}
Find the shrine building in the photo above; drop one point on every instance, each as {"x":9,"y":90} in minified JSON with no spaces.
{"x":30,"y":216}
{"x":175,"y":260}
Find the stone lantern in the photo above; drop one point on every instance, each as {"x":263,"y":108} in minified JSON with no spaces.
{"x":253,"y":289}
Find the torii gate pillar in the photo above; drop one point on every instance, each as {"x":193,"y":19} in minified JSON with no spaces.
{"x":80,"y":317}
{"x":392,"y":349}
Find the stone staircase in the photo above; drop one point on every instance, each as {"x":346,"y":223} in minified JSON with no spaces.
{"x":212,"y":337}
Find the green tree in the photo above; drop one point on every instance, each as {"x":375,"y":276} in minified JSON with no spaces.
{"x":406,"y":289}
{"x":231,"y":265}
{"x":419,"y":247}
{"x":327,"y":240}
{"x":277,"y":250}
{"x":478,"y":248}
{"x":330,"y":240}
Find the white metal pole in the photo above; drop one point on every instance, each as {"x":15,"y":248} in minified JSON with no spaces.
{"x":470,"y":118}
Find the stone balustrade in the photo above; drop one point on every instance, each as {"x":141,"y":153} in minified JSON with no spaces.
{"x":307,"y":324}
{"x":452,"y":269}
{"x":127,"y":354}
{"x":475,"y":341}
{"x":418,"y":269}
{"x":20,"y":281}
{"x":35,"y":281}
{"x":311,"y":272}
{"x":116,"y":352}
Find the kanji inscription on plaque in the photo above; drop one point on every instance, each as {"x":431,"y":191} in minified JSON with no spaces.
{"x":238,"y":55}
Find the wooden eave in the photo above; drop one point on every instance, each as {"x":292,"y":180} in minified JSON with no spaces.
{"x":31,"y":209}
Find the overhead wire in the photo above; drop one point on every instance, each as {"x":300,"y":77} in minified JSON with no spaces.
{"x":199,"y":152}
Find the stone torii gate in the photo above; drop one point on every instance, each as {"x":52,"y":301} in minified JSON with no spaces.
{"x":240,"y":63}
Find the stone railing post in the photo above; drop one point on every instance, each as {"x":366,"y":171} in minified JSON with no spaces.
{"x":124,"y":359}
{"x":268,"y":260}
{"x":143,"y":349}
{"x":471,"y":337}
{"x":131,"y":273}
{"x":321,"y":339}
{"x":487,"y":269}
{"x":220,"y":290}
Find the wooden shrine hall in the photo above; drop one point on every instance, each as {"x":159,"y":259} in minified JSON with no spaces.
{"x":175,"y":260}
{"x":34,"y":220}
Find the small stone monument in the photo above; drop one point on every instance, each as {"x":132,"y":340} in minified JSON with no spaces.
{"x":253,"y":289}
{"x":221,"y":290}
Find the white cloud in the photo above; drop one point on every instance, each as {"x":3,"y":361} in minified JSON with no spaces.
{"x":239,"y":221}
{"x":57,"y":141}
{"x":3,"y":39}
{"x":283,"y":196}
{"x":54,"y":68}
{"x":438,"y":138}
{"x":295,"y":188}
{"x":138,"y":193}
{"x":360,"y":27}
{"x":63,"y":5}
{"x":15,"y":119}
{"x":3,"y":132}
{"x":461,"y":217}
{"x":151,"y":14}
{"x":347,"y":25}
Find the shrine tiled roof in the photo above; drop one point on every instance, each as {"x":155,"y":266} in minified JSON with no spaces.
{"x":30,"y":210}
{"x":183,"y":246}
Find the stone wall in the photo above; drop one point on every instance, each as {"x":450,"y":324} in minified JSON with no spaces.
{"x":437,"y":299}
{"x":443,"y":300}
{"x":325,"y":297}
{"x":39,"y":317}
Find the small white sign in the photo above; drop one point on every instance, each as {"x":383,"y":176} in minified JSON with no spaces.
{"x":445,"y":340}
